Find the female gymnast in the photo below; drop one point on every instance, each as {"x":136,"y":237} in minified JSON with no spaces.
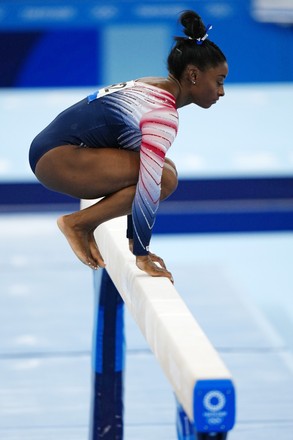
{"x":112,"y":145}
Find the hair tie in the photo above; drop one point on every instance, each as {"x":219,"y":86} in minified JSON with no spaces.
{"x":200,"y":40}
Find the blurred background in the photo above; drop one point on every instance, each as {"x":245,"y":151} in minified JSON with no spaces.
{"x":53,"y":53}
{"x":231,"y":217}
{"x":239,"y":153}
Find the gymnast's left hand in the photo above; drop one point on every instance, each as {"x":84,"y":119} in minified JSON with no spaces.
{"x":153,"y":265}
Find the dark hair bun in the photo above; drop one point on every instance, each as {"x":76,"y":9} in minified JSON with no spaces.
{"x":194,"y":48}
{"x":192,"y":24}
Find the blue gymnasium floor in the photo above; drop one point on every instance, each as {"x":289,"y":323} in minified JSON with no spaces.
{"x":238,"y":287}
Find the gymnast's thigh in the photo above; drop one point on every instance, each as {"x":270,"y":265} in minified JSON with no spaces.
{"x":87,"y":172}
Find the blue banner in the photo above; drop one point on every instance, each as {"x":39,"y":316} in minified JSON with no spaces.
{"x":79,"y":13}
{"x":146,"y":29}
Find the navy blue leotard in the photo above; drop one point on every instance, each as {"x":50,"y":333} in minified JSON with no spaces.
{"x":134,"y":116}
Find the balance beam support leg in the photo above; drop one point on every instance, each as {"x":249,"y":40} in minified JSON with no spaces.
{"x":108,"y":361}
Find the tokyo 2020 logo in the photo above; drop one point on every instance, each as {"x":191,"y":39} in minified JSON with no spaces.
{"x":214,"y":401}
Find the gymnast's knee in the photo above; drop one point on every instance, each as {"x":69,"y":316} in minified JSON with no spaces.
{"x":169,"y":179}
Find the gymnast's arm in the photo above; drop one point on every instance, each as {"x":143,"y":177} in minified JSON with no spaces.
{"x":159,"y":128}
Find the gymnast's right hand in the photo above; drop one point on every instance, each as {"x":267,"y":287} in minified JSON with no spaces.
{"x":147,"y":263}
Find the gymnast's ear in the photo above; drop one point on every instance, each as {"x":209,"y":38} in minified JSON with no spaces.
{"x":192,"y":73}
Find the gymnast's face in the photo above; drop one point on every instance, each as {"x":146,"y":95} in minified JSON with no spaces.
{"x":207,"y":86}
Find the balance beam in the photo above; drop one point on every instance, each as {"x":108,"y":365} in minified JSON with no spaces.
{"x":199,"y":378}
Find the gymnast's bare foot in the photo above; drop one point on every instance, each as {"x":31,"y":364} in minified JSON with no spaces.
{"x":95,"y":252}
{"x":78,"y":240}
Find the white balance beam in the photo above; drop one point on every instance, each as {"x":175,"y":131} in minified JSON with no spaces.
{"x":200,"y":380}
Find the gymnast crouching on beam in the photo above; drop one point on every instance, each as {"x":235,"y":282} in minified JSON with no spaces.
{"x":112,"y":145}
